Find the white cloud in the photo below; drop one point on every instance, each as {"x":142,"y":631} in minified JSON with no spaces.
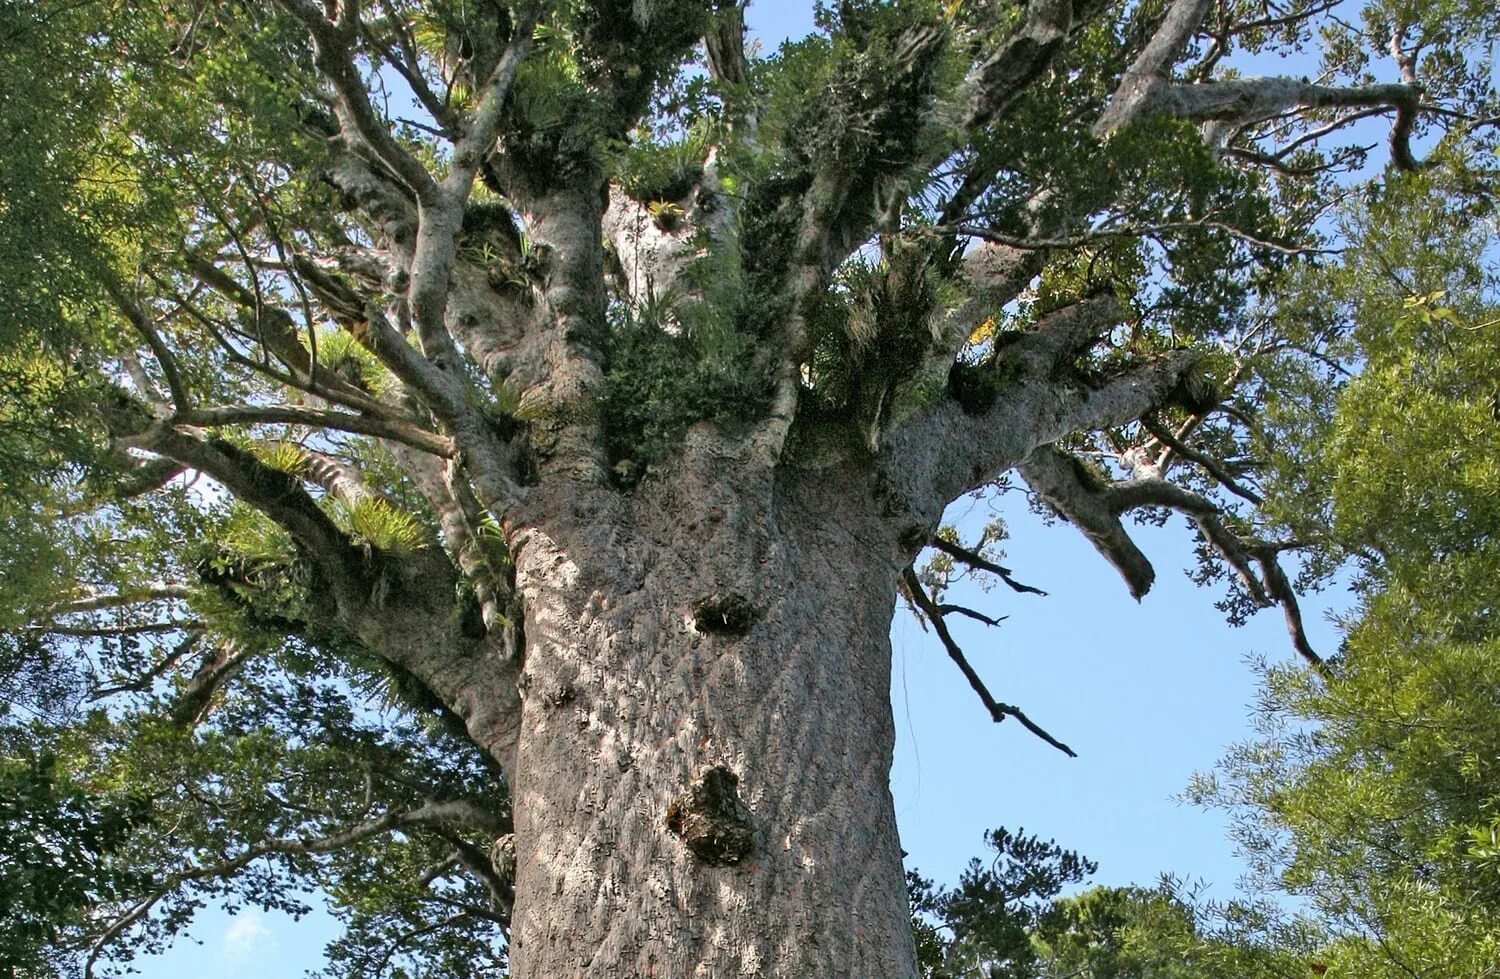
{"x":247,"y":935}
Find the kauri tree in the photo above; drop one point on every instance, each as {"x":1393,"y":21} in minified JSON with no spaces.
{"x":464,"y":455}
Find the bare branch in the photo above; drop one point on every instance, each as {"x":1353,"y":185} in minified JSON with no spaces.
{"x":1209,"y":464}
{"x":989,"y":620}
{"x":333,"y":46}
{"x":217,"y":668}
{"x":1244,"y":556}
{"x":998,"y":711}
{"x":141,"y":323}
{"x":1281,"y":590}
{"x":1153,"y":65}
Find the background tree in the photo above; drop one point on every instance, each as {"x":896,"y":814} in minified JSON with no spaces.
{"x":1372,"y":794}
{"x":584,"y":389}
{"x":1005,"y":920}
{"x":57,"y":850}
{"x":984,"y":926}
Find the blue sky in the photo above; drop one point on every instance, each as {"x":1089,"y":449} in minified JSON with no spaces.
{"x":1146,"y":693}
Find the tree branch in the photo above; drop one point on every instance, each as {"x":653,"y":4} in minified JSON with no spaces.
{"x":141,"y":323}
{"x":431,"y":813}
{"x":957,"y":444}
{"x":997,"y":710}
{"x":1256,"y":99}
{"x":976,"y":560}
{"x":343,"y":421}
{"x":333,"y":54}
{"x":1083,"y":500}
{"x":97,"y":600}
{"x":989,"y":620}
{"x":1153,"y":65}
{"x":1270,"y":587}
{"x":143,"y":682}
{"x":217,"y":668}
{"x":1208,"y":463}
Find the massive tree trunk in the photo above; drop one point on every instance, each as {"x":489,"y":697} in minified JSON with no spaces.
{"x":701,"y":782}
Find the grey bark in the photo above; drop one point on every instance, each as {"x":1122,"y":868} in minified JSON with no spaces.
{"x":628,"y":698}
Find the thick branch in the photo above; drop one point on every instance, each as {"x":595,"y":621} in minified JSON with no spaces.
{"x":271,"y":491}
{"x":217,"y":668}
{"x":333,"y":45}
{"x":343,"y":421}
{"x":1080,"y":497}
{"x":1153,"y":65}
{"x":991,"y":275}
{"x":1269,"y":587}
{"x":958,"y":444}
{"x":440,"y":216}
{"x":1241,"y":101}
{"x":1002,"y":77}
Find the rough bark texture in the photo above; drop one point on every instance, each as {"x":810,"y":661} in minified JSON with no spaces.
{"x":627,"y":703}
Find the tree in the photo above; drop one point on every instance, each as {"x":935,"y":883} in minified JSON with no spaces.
{"x":1006,"y":921}
{"x":1371,"y":794}
{"x":991,"y":916}
{"x":56,"y":850}
{"x":584,"y":388}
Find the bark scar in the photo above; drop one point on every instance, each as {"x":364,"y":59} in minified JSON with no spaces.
{"x":712,"y":820}
{"x":729,"y":613}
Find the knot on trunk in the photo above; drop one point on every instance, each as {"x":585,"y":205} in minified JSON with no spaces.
{"x":712,"y":820}
{"x":503,"y":857}
{"x":729,"y":613}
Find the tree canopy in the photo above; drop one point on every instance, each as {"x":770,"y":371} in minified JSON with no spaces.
{"x":358,"y":360}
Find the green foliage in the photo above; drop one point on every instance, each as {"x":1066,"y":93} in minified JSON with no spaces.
{"x":1372,"y":793}
{"x":665,"y":172}
{"x":60,"y":849}
{"x":374,"y":521}
{"x":990,"y":916}
{"x":1007,"y":921}
{"x":871,"y":332}
{"x":670,"y":365}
